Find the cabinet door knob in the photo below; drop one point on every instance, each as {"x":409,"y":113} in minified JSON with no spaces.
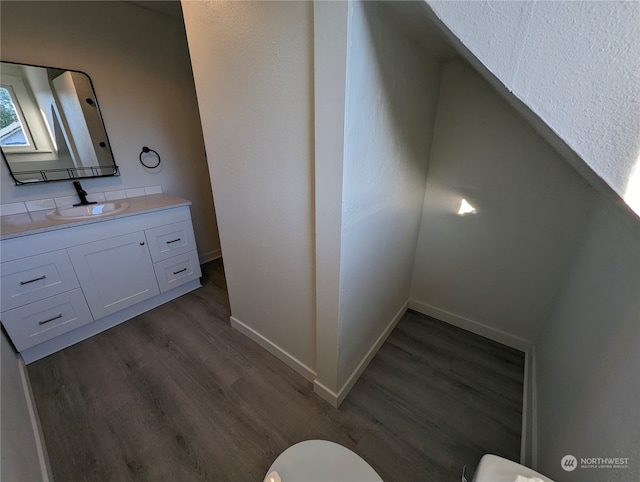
{"x":141,"y":243}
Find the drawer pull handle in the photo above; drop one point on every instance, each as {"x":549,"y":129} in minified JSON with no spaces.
{"x":50,"y":319}
{"x":180,"y":271}
{"x":173,"y":241}
{"x":33,"y":280}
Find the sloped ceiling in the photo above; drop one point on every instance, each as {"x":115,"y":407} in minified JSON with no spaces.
{"x":574,"y":65}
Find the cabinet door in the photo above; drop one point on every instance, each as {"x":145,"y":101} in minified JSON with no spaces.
{"x":114,"y":273}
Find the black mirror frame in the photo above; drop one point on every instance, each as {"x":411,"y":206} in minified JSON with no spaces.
{"x":72,"y":173}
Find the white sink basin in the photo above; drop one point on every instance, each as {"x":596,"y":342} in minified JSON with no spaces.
{"x":88,"y":212}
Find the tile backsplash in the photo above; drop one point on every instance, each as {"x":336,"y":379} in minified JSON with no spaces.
{"x":40,"y":204}
{"x":66,"y":201}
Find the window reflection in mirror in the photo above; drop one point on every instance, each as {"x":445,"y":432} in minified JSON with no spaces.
{"x":50,"y":125}
{"x":11,"y":126}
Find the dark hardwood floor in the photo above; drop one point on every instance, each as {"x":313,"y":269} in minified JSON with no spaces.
{"x":178,"y":395}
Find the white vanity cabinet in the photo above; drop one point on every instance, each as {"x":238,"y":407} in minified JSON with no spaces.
{"x":64,"y":284}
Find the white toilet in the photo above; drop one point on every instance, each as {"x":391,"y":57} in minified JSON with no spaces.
{"x":320,"y":461}
{"x":324,"y":461}
{"x":496,"y":469}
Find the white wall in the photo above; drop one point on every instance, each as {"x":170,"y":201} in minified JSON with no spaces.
{"x":253,"y":66}
{"x":253,"y":70}
{"x":495,"y":272}
{"x":139,"y":64}
{"x":391,"y":96}
{"x":588,"y":355}
{"x":24,"y":455}
{"x":330,"y":30}
{"x":576,"y":65}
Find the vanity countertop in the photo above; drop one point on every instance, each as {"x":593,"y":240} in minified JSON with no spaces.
{"x":16,"y":225}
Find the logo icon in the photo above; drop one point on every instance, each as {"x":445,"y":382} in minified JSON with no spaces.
{"x":569,"y":463}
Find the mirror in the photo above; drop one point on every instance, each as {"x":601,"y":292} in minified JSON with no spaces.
{"x":50,"y":125}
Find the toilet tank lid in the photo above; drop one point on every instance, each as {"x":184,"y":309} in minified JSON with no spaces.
{"x":497,"y":469}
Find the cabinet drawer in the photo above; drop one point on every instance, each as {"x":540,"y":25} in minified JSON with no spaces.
{"x":40,"y":321}
{"x":34,"y":278}
{"x":170,"y":240}
{"x":175,"y":271}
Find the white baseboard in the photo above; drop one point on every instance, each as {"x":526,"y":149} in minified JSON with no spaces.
{"x":325,"y":393}
{"x":210,"y":256}
{"x":471,"y":325}
{"x":336,"y":399}
{"x":41,"y":448}
{"x":274,"y":349}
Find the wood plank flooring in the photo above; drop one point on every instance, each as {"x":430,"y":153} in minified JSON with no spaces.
{"x":178,"y":395}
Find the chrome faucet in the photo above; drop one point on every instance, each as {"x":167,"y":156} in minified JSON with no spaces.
{"x":82,"y":194}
